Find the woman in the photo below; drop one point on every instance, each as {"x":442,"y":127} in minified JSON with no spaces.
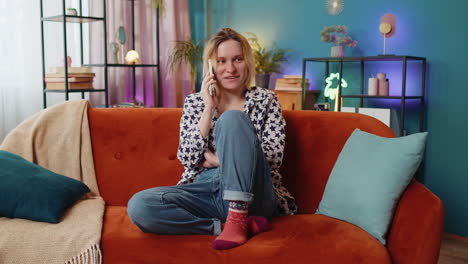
{"x":231,"y":146}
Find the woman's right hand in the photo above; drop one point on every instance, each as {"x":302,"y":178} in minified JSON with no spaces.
{"x":211,"y":159}
{"x":211,"y":102}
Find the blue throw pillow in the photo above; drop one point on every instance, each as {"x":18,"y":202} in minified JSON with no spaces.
{"x":32,"y":192}
{"x":368,"y":179}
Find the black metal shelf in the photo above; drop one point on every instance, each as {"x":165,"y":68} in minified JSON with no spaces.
{"x":381,"y":58}
{"x":380,"y":97}
{"x":121,"y":65}
{"x":73,"y":90}
{"x":367,"y":58}
{"x":72,"y":19}
{"x":65,"y":19}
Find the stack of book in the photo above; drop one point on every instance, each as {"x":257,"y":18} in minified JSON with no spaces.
{"x":78,"y":78}
{"x":290,"y":83}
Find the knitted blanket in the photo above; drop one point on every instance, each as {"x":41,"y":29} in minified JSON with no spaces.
{"x":57,"y":138}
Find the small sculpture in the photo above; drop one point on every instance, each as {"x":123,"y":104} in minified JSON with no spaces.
{"x":72,"y":11}
{"x":121,"y":38}
{"x":132,"y":57}
{"x":62,"y":61}
{"x":387,"y":28}
{"x":114,"y":47}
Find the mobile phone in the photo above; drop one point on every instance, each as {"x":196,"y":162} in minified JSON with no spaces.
{"x":211,"y":89}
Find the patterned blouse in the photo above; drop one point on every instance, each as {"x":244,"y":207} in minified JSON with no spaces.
{"x":263,"y":108}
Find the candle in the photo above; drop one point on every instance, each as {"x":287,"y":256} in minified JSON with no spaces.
{"x":373,"y":86}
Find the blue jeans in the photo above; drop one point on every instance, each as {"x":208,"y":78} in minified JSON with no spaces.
{"x":200,"y":207}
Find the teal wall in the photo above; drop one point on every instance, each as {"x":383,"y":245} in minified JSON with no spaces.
{"x":435,"y":29}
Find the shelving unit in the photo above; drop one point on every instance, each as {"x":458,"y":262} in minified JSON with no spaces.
{"x":65,"y":19}
{"x":362,"y":96}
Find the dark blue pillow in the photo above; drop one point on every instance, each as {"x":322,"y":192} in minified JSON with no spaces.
{"x":32,"y":192}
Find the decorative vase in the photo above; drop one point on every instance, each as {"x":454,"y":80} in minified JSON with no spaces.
{"x":337,"y":51}
{"x":114,"y":50}
{"x":373,"y":87}
{"x":72,"y":12}
{"x":383,"y":84}
{"x":262,"y":80}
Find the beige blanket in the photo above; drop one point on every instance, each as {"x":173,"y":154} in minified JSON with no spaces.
{"x":57,"y":138}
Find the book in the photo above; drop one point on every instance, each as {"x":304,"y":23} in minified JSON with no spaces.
{"x":292,"y":77}
{"x":70,"y":79}
{"x":291,"y":89}
{"x":283,"y":82}
{"x":73,"y":70}
{"x":71,"y":86}
{"x":289,"y":82}
{"x":61,"y":75}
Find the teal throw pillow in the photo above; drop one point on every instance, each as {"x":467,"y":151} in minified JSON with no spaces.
{"x":32,"y":192}
{"x":368,"y":179}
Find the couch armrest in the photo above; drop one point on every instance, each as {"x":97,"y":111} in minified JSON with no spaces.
{"x":417,"y":227}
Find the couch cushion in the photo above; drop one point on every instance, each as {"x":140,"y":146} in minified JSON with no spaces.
{"x":314,"y":140}
{"x":32,"y":192}
{"x":369,"y":177}
{"x":130,"y":155}
{"x":294,"y":239}
{"x":134,"y":149}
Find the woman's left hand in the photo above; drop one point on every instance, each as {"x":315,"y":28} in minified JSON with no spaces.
{"x":211,"y":159}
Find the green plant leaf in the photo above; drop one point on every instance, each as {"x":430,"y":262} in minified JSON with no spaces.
{"x":266,"y":61}
{"x":160,"y":5}
{"x":185,"y":51}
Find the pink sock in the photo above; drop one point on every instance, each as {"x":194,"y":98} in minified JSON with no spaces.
{"x":234,"y":233}
{"x":256,"y":225}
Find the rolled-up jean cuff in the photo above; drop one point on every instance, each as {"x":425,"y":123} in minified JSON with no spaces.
{"x":237,"y":196}
{"x":216,"y":227}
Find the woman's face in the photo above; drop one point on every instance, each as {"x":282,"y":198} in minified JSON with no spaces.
{"x":231,"y":69}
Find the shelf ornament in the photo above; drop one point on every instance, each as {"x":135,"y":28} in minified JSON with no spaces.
{"x":331,"y":92}
{"x":72,"y":11}
{"x":121,"y":38}
{"x":387,"y":28}
{"x":132,"y":57}
{"x":114,"y":49}
{"x":339,"y":36}
{"x":334,"y":92}
{"x":63,"y":61}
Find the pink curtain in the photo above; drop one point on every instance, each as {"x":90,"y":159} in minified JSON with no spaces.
{"x":174,"y":25}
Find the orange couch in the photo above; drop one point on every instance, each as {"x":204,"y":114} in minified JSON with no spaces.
{"x":135,"y":149}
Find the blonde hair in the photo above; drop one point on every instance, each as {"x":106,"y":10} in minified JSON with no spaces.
{"x":225,"y":34}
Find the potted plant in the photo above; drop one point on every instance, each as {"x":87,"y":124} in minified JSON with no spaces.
{"x":159,"y":4}
{"x":267,"y":61}
{"x":338,"y":35}
{"x":186,"y":51}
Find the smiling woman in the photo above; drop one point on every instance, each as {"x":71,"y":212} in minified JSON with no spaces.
{"x":230,"y":66}
{"x":230,"y":45}
{"x":231,"y":146}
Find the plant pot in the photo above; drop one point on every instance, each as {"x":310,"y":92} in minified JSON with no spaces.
{"x":337,"y":51}
{"x":262,"y":80}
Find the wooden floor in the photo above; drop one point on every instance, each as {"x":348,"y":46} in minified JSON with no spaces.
{"x":453,"y":251}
